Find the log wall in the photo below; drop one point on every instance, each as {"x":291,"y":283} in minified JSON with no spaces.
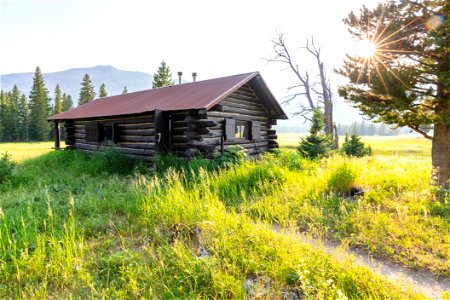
{"x":136,"y":136}
{"x":205,"y":130}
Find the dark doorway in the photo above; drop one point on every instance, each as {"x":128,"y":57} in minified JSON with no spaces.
{"x":163,"y":128}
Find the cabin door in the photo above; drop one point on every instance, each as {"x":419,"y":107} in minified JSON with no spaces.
{"x":163,"y":129}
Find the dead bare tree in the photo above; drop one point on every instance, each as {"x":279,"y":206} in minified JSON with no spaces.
{"x":308,"y":88}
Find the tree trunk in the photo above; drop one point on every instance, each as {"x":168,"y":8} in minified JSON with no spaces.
{"x":440,"y":153}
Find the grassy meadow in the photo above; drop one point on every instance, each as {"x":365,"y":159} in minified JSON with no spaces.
{"x":75,"y":226}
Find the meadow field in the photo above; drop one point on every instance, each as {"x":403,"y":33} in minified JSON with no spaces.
{"x":75,"y":226}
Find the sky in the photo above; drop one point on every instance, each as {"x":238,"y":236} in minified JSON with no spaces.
{"x":212,"y":38}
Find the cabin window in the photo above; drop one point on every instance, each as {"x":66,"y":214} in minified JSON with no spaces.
{"x":242,"y":130}
{"x":107,"y":132}
{"x":100,"y":132}
{"x":92,"y":132}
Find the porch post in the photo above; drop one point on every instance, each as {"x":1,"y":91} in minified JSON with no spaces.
{"x":56,"y":130}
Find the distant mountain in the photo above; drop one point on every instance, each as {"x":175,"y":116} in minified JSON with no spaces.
{"x":70,"y":81}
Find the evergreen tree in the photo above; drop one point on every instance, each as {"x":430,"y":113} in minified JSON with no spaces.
{"x":67,"y":102}
{"x":12,"y":125}
{"x":163,"y":77}
{"x":353,"y":146}
{"x":102,"y":92}
{"x":23,"y":118}
{"x":58,"y":100}
{"x":87,"y":93}
{"x":2,"y":115}
{"x":316,"y":144}
{"x":125,"y":90}
{"x":39,"y":102}
{"x":407,"y":80}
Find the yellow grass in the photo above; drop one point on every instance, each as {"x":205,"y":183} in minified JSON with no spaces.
{"x":22,"y":151}
{"x":404,"y":145}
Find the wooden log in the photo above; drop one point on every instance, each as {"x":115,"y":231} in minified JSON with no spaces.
{"x":79,"y":135}
{"x":244,"y":111}
{"x":237,"y":116}
{"x":196,"y":112}
{"x":244,"y":105}
{"x":179,"y":130}
{"x":133,"y":151}
{"x":138,"y":145}
{"x":136,"y":126}
{"x":271,"y":131}
{"x":133,"y":138}
{"x":142,"y":132}
{"x":180,"y":146}
{"x":123,"y":120}
{"x":272,"y":122}
{"x":272,"y":136}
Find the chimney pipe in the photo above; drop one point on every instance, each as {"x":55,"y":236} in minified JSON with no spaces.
{"x":194,"y":76}
{"x":179,"y":77}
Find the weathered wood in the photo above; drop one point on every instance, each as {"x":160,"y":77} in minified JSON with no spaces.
{"x":136,"y":126}
{"x":143,"y":132}
{"x":244,"y":111}
{"x":138,"y":145}
{"x":245,"y":105}
{"x":196,"y":112}
{"x":272,"y":136}
{"x":79,"y":135}
{"x":235,"y":115}
{"x":121,"y":120}
{"x":101,"y":148}
{"x":272,"y":122}
{"x":134,"y":138}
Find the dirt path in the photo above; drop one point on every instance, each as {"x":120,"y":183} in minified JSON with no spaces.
{"x":421,"y":281}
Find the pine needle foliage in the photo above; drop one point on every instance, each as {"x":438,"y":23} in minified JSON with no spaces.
{"x":316,"y":144}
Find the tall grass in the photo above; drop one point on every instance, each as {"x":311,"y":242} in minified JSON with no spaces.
{"x":72,"y":227}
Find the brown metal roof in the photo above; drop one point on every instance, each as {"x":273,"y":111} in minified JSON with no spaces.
{"x":196,"y":95}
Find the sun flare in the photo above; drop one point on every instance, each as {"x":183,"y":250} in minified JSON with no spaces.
{"x":366,"y":49}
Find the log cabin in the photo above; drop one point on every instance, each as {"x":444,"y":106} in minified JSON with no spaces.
{"x":189,"y":119}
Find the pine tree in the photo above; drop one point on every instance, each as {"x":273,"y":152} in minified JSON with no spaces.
{"x":39,"y":128}
{"x":58,"y":100}
{"x":125,"y":90}
{"x":163,"y":77}
{"x":316,"y":144}
{"x":23,"y":118}
{"x":102,"y":92}
{"x":353,"y":146}
{"x":87,"y":93}
{"x":407,"y":81}
{"x":12,"y":114}
{"x":2,"y":115}
{"x":67,"y":102}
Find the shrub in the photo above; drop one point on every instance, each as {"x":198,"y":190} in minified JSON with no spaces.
{"x":353,"y":146}
{"x":6,"y":167}
{"x":316,"y":144}
{"x":233,"y":155}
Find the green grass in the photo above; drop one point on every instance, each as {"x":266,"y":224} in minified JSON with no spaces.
{"x":72,"y":226}
{"x":404,"y":145}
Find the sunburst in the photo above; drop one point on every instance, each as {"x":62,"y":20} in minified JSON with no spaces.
{"x":373,"y":51}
